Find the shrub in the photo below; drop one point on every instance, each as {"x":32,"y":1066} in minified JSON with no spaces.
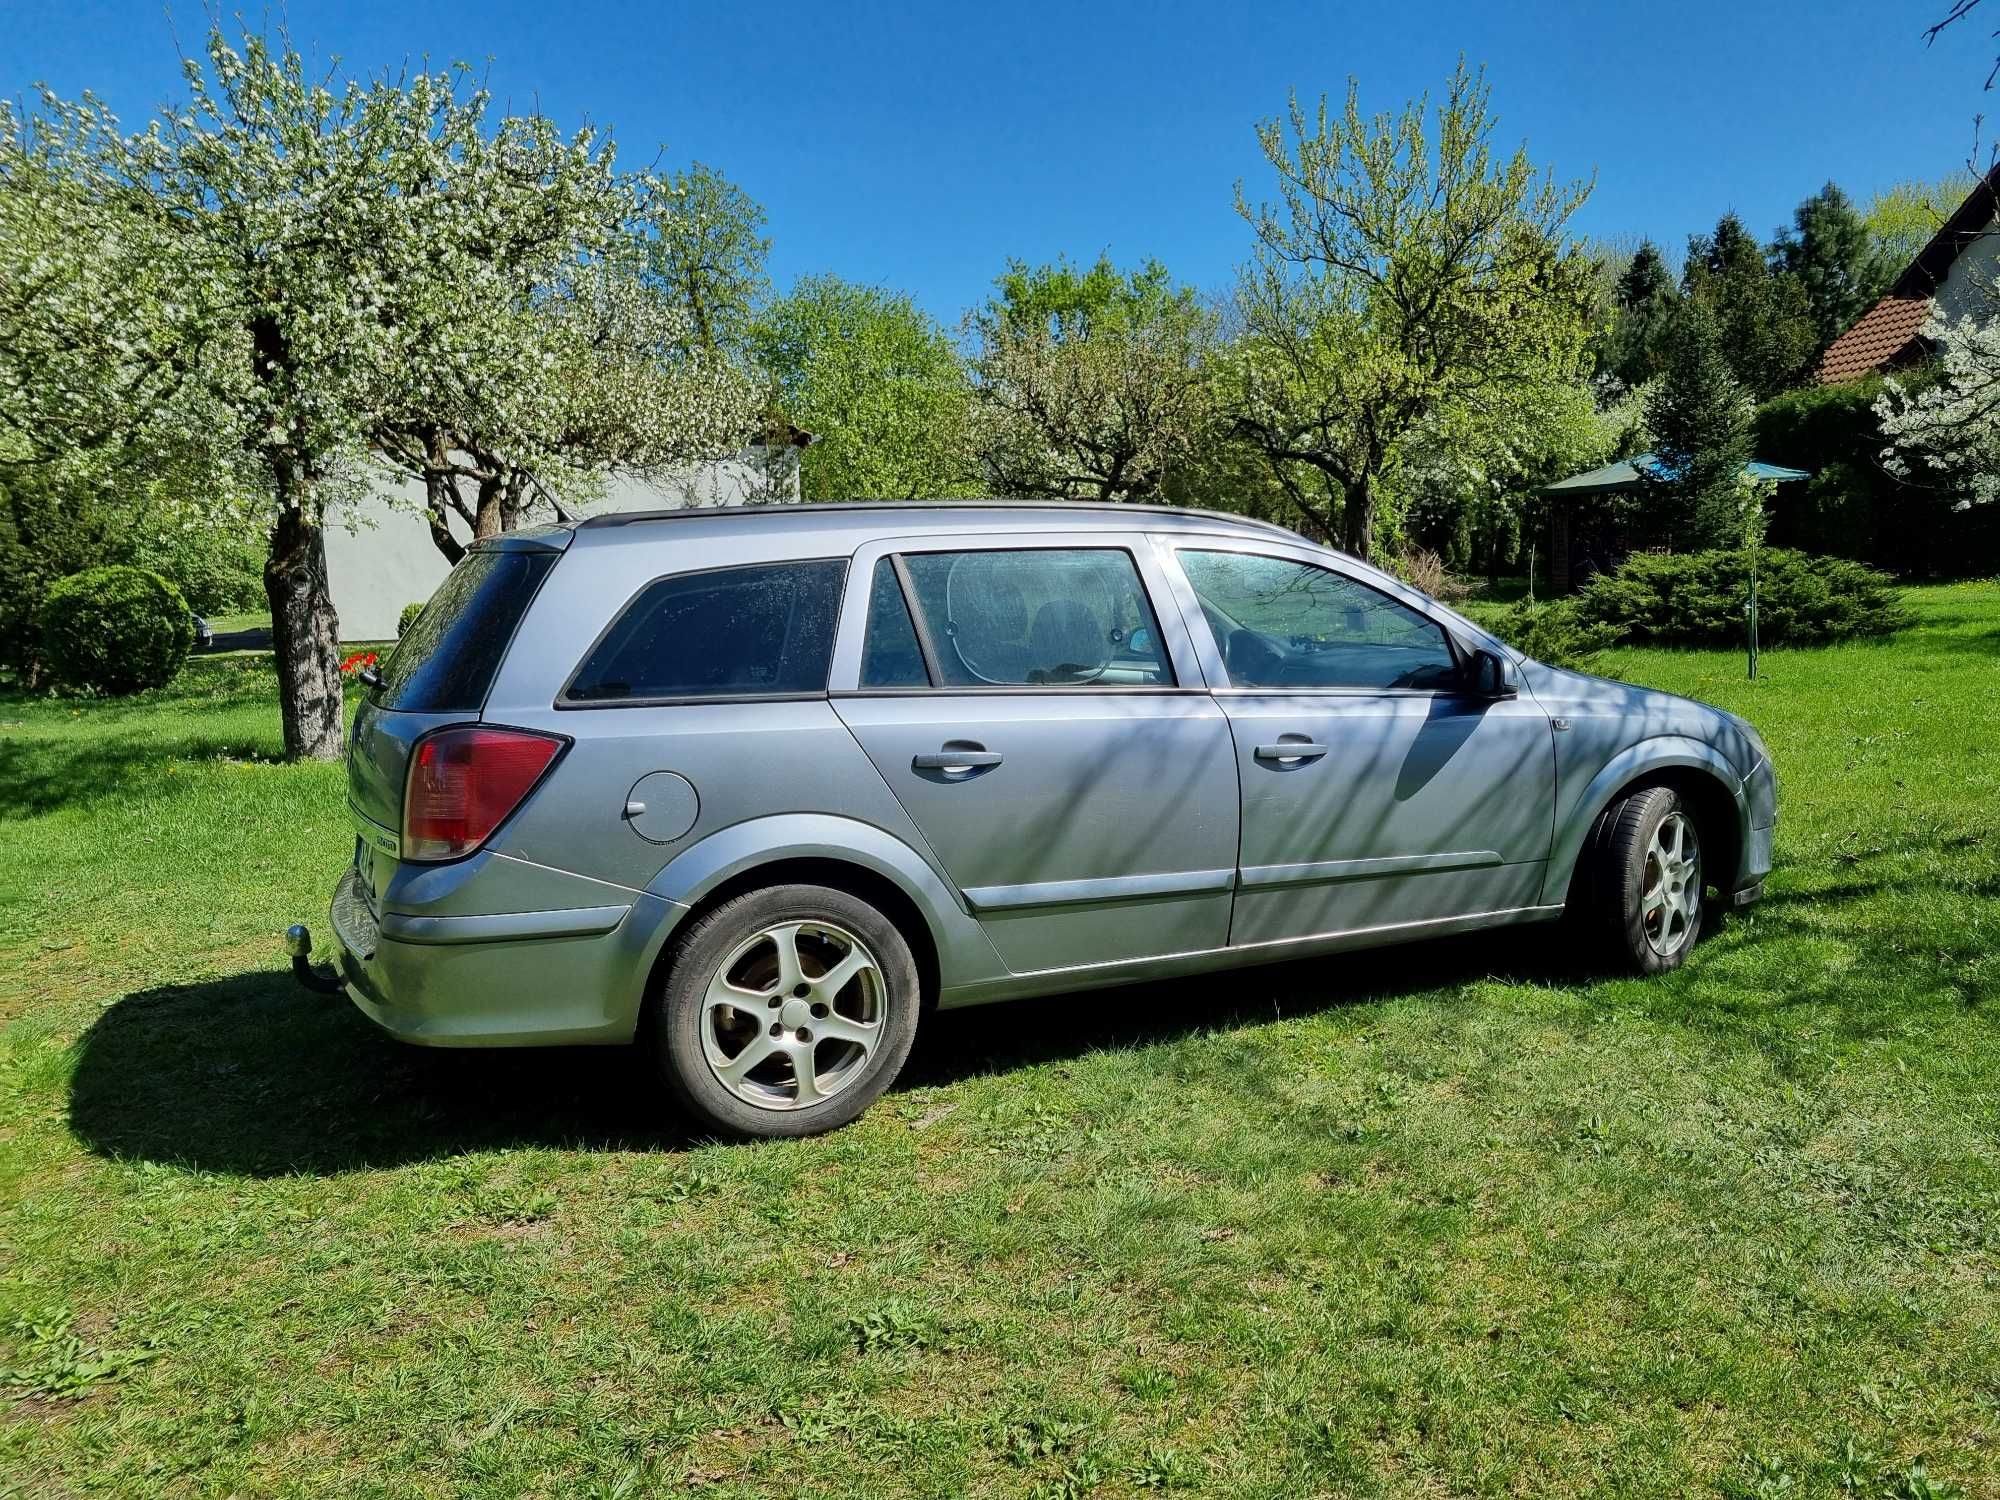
{"x":51,"y":527}
{"x":1556,"y":632}
{"x":1700,"y":598}
{"x":1425,"y":571}
{"x":1854,"y":507}
{"x":115,"y":630}
{"x":46,"y":533}
{"x":217,"y":572}
{"x":408,"y":617}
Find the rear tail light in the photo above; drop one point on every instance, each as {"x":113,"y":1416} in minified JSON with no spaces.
{"x":464,"y":782}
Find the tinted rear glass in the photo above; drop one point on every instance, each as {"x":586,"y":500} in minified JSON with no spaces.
{"x":446,"y":662}
{"x":767,"y":628}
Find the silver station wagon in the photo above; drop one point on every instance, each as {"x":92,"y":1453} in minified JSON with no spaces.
{"x":757,"y":788}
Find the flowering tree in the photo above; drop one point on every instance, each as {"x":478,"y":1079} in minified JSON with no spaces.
{"x":302,"y":267}
{"x":1949,"y":432}
{"x":1397,"y":274}
{"x":590,"y":368}
{"x":1091,"y":383}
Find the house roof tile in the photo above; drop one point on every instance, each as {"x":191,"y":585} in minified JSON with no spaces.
{"x":1880,"y":339}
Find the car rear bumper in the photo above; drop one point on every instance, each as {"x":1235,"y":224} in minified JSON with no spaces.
{"x":513,"y":979}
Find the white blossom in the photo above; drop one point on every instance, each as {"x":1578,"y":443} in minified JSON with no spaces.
{"x":1949,"y":433}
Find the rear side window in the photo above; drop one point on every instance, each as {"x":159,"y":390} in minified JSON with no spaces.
{"x":729,"y":632}
{"x":1047,"y":617}
{"x":890,"y":655}
{"x":446,"y":660}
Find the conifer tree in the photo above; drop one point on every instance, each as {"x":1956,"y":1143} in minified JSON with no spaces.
{"x":1700,"y":419}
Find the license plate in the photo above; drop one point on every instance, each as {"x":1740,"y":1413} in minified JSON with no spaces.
{"x":373,"y":834}
{"x":364,"y":876}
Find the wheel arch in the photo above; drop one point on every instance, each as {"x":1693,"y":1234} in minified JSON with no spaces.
{"x":1699,"y":772}
{"x":845,"y":854}
{"x":856,"y":880}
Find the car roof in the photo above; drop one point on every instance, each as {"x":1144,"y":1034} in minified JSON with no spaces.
{"x":892,"y":517}
{"x":837,"y":523}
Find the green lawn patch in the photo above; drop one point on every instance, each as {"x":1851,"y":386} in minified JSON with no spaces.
{"x":1454,"y":1219}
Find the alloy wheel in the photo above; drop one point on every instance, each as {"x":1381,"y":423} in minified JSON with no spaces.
{"x":1670,"y":893}
{"x":793,"y":1015}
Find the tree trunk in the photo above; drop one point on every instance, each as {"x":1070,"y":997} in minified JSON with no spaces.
{"x":305,"y":635}
{"x":1358,"y":518}
{"x":513,"y":499}
{"x":437,"y":500}
{"x":490,"y":517}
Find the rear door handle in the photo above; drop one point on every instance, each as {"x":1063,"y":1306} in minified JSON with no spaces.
{"x":1291,"y":750}
{"x":955,"y":760}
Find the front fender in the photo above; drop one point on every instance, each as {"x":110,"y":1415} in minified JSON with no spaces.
{"x":965,"y":954}
{"x":1662,"y":753}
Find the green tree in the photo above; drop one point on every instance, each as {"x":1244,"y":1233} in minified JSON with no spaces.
{"x":1700,"y":418}
{"x":1901,"y":219}
{"x":571,"y":372}
{"x":708,"y":257}
{"x":1837,"y":262}
{"x":1091,"y":383}
{"x":1470,"y":478}
{"x":1764,"y":316}
{"x":1643,"y":310}
{"x":877,"y":382}
{"x":1399,"y":274}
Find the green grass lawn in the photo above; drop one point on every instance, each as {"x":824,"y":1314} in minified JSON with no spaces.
{"x":1457,"y":1219}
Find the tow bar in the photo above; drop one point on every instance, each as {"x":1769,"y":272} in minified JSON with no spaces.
{"x":299,"y":943}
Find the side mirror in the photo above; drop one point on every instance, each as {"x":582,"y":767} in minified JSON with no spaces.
{"x":1493,"y":675}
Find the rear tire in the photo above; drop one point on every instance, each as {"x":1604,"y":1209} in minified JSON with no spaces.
{"x":786,"y":1012}
{"x":1643,"y":888}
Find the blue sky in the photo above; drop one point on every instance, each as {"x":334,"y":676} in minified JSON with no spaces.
{"x":920,"y":146}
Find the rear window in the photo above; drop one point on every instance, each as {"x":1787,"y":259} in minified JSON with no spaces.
{"x":446,"y":661}
{"x":730,"y":632}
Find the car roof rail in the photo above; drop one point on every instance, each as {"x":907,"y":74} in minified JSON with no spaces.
{"x":806,"y":508}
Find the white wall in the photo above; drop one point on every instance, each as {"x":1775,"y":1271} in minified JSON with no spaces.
{"x":380,"y":557}
{"x":1968,"y":283}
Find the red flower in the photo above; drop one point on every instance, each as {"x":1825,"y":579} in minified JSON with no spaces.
{"x":357,"y":661}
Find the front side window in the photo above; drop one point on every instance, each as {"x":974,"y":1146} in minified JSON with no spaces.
{"x":1285,"y":624}
{"x":1044,"y":617}
{"x":731,"y":632}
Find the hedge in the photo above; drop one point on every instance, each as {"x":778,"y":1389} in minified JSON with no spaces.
{"x":1700,"y":599}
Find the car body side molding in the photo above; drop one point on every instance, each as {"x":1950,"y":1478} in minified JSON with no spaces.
{"x":1320,"y":872}
{"x":1110,"y":888}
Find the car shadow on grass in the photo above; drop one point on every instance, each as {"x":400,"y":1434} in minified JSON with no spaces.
{"x":256,"y":1076}
{"x":251,"y":1075}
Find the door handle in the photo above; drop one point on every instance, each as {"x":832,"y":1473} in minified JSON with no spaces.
{"x":955,"y":760}
{"x":1288,"y":750}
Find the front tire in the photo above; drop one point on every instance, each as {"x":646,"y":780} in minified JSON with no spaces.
{"x":1646,"y":881}
{"x":786,"y":1012}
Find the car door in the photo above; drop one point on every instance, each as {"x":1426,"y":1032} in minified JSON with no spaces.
{"x":1057,"y":748}
{"x":1378,"y":790}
